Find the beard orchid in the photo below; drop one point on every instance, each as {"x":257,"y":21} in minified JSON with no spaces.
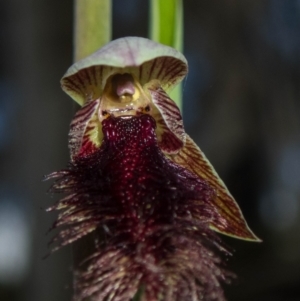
{"x":140,"y":183}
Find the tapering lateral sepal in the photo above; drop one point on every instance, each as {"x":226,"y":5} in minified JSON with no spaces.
{"x":232,"y":221}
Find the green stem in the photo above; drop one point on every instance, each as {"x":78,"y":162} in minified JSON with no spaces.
{"x":166,"y":27}
{"x":92,"y":30}
{"x":92,"y":26}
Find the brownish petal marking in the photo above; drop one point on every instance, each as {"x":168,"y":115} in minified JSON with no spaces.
{"x":169,"y":142}
{"x":172,"y":68}
{"x":85,"y":74}
{"x":72,"y":86}
{"x":162,"y":67}
{"x":174,"y":71}
{"x":94,"y":75}
{"x":152,"y":68}
{"x":78,"y":78}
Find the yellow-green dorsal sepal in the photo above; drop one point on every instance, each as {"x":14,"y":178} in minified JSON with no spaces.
{"x":140,"y":57}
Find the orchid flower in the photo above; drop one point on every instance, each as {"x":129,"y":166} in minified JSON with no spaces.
{"x":140,"y":183}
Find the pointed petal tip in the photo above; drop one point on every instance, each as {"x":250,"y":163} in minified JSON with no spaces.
{"x":246,"y":234}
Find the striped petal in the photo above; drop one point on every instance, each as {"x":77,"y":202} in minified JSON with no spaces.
{"x":232,"y":222}
{"x":85,"y":134}
{"x":170,"y":131}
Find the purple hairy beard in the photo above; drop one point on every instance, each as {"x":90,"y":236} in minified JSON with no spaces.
{"x":149,"y":208}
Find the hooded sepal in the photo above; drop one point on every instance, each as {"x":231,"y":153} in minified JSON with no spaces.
{"x":146,"y":60}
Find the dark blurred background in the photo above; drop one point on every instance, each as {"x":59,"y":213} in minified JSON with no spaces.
{"x":241,"y":105}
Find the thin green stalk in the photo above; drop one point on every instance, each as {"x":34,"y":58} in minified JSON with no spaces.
{"x":166,"y":27}
{"x":92,"y":26}
{"x":92,"y":30}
